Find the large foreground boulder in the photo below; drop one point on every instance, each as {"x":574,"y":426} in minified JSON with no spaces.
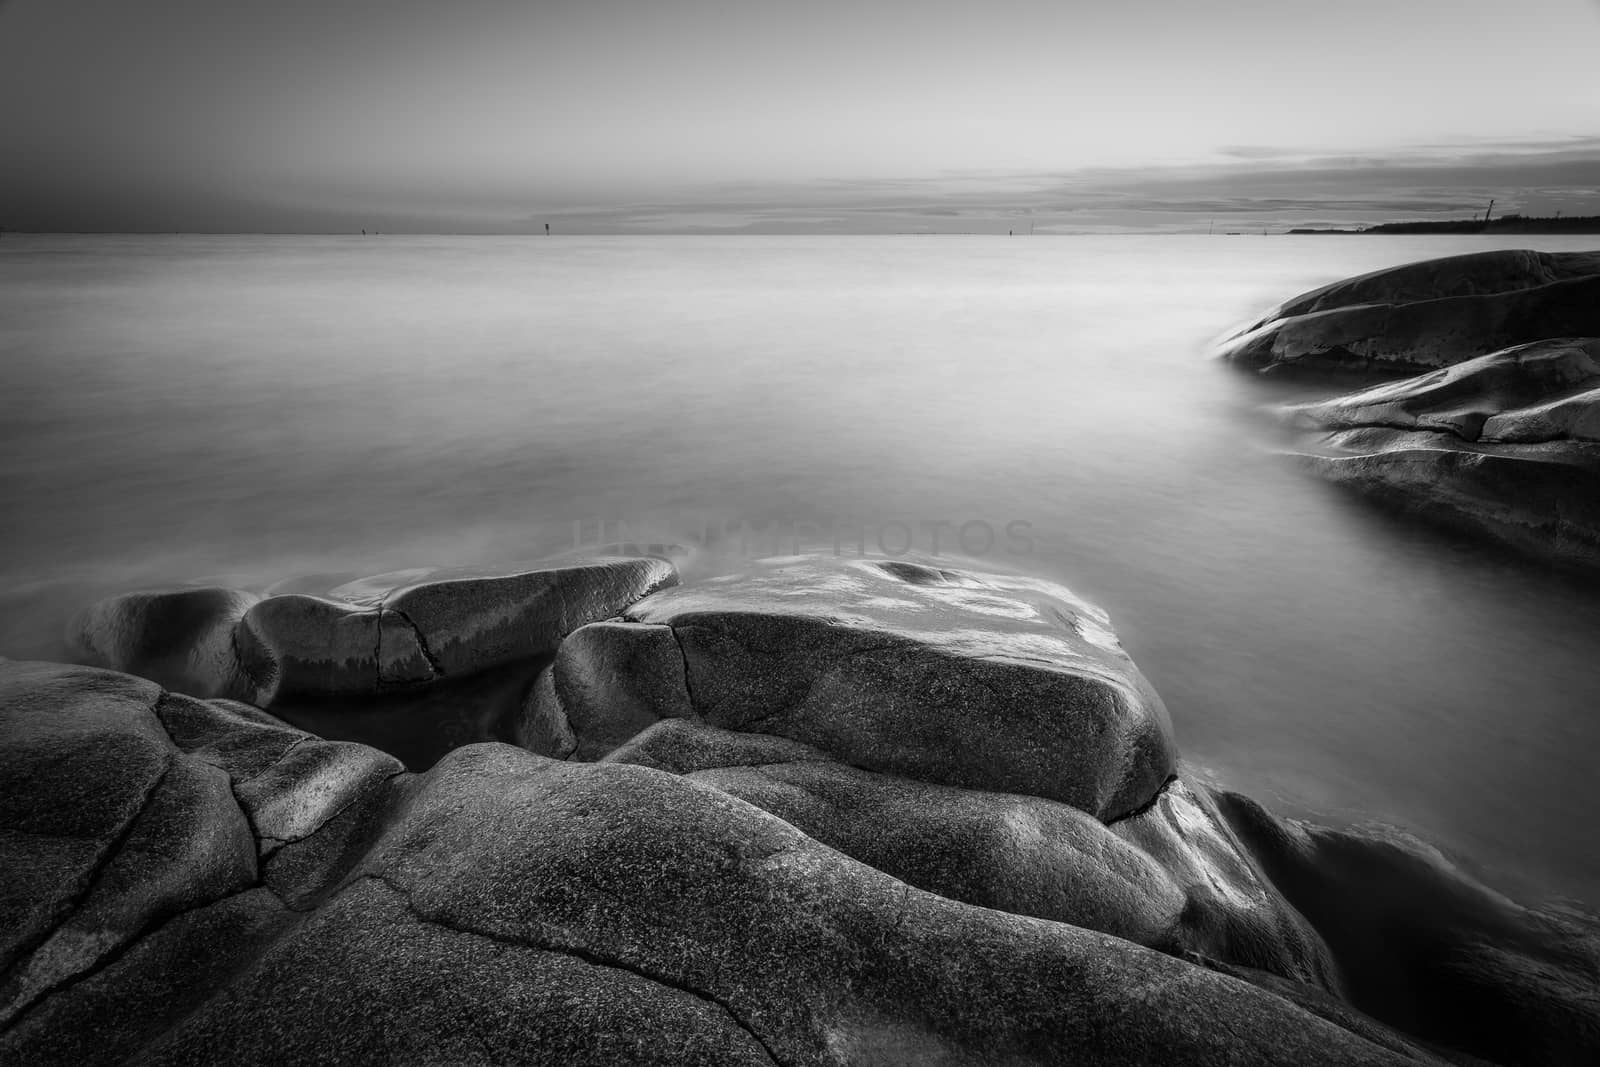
{"x":1422,"y":316}
{"x":986,"y":681}
{"x":371,"y":636}
{"x":1507,"y":445}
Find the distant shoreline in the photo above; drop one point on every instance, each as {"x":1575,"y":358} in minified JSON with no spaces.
{"x":1510,"y":224}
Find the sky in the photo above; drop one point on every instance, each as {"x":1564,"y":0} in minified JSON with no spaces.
{"x":787,"y":116}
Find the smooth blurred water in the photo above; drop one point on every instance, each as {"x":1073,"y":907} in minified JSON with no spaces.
{"x":244,"y":409}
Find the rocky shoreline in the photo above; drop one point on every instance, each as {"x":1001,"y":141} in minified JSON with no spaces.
{"x":1487,"y":417}
{"x":822,"y":811}
{"x":826,"y":811}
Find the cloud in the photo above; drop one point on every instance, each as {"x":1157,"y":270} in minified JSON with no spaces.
{"x":1257,"y":152}
{"x":1242,"y":186}
{"x":1260,"y":185}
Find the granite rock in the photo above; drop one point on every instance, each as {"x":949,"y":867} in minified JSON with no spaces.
{"x":376,"y":635}
{"x":998,"y":682}
{"x":1426,"y":315}
{"x":509,"y":907}
{"x":1429,"y":950}
{"x":1169,"y":876}
{"x":821,"y":812}
{"x":1506,"y":445}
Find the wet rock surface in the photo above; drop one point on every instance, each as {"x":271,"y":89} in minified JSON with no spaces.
{"x":1501,"y":434}
{"x":1507,"y":445}
{"x":1426,"y":315}
{"x":892,"y":666}
{"x":1530,"y":394}
{"x":1431,"y":951}
{"x":388,"y":633}
{"x":1025,"y":874}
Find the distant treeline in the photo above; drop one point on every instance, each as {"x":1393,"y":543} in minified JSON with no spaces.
{"x":1504,"y":224}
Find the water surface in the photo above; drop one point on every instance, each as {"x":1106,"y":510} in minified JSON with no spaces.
{"x":245,"y":409}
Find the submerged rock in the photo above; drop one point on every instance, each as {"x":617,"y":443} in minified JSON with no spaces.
{"x":1426,"y":315}
{"x":371,"y":636}
{"x":1429,"y":950}
{"x":1507,"y":444}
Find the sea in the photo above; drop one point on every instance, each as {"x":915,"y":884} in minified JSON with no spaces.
{"x":250,"y":409}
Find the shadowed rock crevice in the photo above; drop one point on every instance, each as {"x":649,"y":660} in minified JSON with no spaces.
{"x":688,"y":680}
{"x":16,"y":1017}
{"x":1155,"y":798}
{"x":422,"y":642}
{"x":70,"y":905}
{"x":191,"y":729}
{"x":189,"y":846}
{"x":362,"y":796}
